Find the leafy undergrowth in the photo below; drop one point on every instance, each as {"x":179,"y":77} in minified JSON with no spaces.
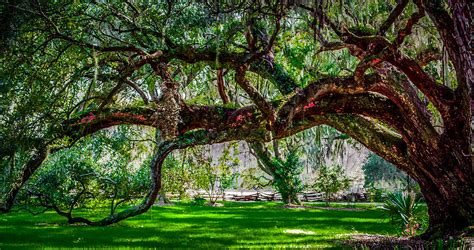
{"x":247,"y":225}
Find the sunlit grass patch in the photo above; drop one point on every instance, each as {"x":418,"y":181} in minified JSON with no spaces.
{"x":239,"y":225}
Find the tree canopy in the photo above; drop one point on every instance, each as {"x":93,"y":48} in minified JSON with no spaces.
{"x":394,"y":75}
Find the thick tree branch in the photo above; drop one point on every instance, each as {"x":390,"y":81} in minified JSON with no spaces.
{"x":415,"y":17}
{"x":376,"y":137}
{"x":262,"y":66}
{"x":316,"y":90}
{"x":440,"y":95}
{"x":396,"y":12}
{"x":264,"y":106}
{"x":221,"y":86}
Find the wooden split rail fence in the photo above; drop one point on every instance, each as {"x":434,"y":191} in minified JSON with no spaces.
{"x":270,"y":196}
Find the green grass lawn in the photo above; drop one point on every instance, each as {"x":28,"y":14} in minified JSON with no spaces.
{"x":255,"y":224}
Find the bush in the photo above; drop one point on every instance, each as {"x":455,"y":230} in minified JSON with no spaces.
{"x":286,"y":179}
{"x":376,"y":194}
{"x":331,"y":180}
{"x":216,"y":177}
{"x":198,"y":201}
{"x":403,"y":210}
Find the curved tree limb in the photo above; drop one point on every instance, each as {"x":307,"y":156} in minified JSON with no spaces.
{"x":264,"y":106}
{"x":396,"y":12}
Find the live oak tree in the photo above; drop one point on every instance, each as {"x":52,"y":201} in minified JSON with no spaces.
{"x":395,"y":76}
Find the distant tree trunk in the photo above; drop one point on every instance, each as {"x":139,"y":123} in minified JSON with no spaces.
{"x":268,"y":167}
{"x":294,"y":199}
{"x":162,"y":199}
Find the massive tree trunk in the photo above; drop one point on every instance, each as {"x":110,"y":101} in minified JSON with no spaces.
{"x":449,"y":206}
{"x":444,"y":174}
{"x":448,"y":185}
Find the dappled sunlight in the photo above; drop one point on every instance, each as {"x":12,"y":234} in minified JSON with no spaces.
{"x":299,"y":231}
{"x":295,"y":111}
{"x":234,"y":225}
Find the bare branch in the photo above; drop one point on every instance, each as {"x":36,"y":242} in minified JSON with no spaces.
{"x":137,"y":89}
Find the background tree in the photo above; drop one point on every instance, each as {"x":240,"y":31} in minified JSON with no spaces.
{"x":286,"y":178}
{"x":331,"y":180}
{"x":216,"y":177}
{"x":105,"y":171}
{"x":379,"y":173}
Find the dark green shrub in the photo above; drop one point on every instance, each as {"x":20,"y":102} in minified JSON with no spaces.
{"x":198,"y":201}
{"x":331,"y":180}
{"x":403,"y":211}
{"x":286,"y":178}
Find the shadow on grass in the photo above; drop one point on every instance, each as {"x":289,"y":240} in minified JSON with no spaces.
{"x":183,"y":226}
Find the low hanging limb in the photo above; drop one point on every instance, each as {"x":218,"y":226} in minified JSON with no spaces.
{"x":242,"y":120}
{"x":199,"y":137}
{"x":155,"y":167}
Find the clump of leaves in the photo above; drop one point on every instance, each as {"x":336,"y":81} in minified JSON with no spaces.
{"x":403,"y":210}
{"x":331,"y":180}
{"x":286,"y":179}
{"x":198,"y":201}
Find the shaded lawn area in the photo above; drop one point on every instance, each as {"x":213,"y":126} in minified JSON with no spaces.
{"x":236,"y":224}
